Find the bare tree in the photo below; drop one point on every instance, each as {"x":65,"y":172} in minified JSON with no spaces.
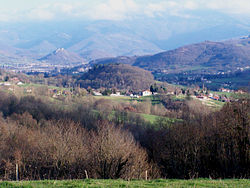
{"x":115,"y":154}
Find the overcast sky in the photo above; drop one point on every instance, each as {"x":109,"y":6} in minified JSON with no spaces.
{"x":35,"y":10}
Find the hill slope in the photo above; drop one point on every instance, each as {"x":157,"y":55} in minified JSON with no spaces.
{"x":118,"y":76}
{"x":120,"y":59}
{"x":62,"y":56}
{"x":211,"y":56}
{"x":206,"y":56}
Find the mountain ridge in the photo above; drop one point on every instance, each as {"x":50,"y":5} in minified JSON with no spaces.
{"x":222,"y":55}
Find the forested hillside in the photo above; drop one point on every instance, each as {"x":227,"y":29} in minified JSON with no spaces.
{"x":118,"y":76}
{"x":213,"y":64}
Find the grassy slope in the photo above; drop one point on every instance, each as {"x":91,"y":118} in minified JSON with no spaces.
{"x":148,"y":117}
{"x":153,"y":99}
{"x":213,"y":104}
{"x":135,"y":183}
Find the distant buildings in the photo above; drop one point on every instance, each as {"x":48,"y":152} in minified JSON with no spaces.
{"x":96,"y":93}
{"x":132,"y":96}
{"x":225,"y":90}
{"x":240,"y":92}
{"x":7,"y":84}
{"x":146,"y":93}
{"x":117,"y":94}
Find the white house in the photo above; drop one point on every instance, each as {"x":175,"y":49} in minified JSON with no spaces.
{"x":97,"y":93}
{"x":7,"y":84}
{"x":225,"y":90}
{"x":20,"y":83}
{"x":117,"y":94}
{"x":134,"y":96}
{"x":146,"y":93}
{"x":29,"y":90}
{"x":210,"y":95}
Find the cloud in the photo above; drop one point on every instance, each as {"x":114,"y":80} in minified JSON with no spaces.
{"x":229,"y":6}
{"x":99,"y":10}
{"x":173,"y":8}
{"x":41,"y":13}
{"x":114,"y":10}
{"x":64,"y":7}
{"x":120,"y":9}
{"x":181,"y":7}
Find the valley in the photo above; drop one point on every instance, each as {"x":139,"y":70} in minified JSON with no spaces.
{"x":124,"y":93}
{"x":213,"y":64}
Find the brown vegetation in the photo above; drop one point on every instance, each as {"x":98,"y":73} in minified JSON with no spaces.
{"x":49,"y":142}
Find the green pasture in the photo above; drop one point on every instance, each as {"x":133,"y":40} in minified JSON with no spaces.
{"x":242,"y":183}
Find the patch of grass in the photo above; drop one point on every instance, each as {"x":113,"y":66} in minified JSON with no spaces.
{"x":153,"y":118}
{"x":32,"y":85}
{"x":242,"y":183}
{"x":213,"y":104}
{"x":119,"y":99}
{"x":179,"y":97}
{"x":149,"y":118}
{"x":222,"y":93}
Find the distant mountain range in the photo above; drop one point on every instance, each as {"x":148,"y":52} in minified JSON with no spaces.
{"x":207,"y":56}
{"x":94,"y":39}
{"x":112,"y":45}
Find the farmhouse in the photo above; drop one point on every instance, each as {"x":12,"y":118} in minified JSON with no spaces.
{"x":132,"y":96}
{"x":96,"y":93}
{"x":146,"y":93}
{"x":225,"y":90}
{"x":117,"y":94}
{"x":7,"y":84}
{"x":20,"y":83}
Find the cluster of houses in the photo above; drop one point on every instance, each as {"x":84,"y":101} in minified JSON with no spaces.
{"x":55,"y":93}
{"x":12,"y":81}
{"x":226,"y":90}
{"x":218,"y":97}
{"x":214,"y":97}
{"x":200,"y":94}
{"x":203,"y":94}
{"x":232,"y":91}
{"x":130,"y":94}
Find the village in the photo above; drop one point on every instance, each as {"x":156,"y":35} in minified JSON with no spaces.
{"x":202,"y":94}
{"x":224,"y":95}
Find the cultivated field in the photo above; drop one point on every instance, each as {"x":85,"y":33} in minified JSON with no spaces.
{"x":135,"y":183}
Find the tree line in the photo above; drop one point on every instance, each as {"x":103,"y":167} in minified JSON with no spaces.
{"x":49,"y":141}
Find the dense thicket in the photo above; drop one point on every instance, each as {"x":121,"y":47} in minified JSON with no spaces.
{"x":214,"y":145}
{"x":48,"y":142}
{"x":118,"y":76}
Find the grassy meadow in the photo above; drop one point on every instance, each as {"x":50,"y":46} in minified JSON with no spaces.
{"x":135,"y":183}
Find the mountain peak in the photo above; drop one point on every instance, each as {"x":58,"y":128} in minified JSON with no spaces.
{"x":59,"y":50}
{"x":63,"y":56}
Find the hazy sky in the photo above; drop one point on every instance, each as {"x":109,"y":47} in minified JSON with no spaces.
{"x":17,"y":10}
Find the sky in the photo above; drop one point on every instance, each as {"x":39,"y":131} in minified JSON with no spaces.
{"x":52,"y":10}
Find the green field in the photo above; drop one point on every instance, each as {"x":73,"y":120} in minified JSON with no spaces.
{"x":153,"y":118}
{"x":152,"y":98}
{"x":135,"y":183}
